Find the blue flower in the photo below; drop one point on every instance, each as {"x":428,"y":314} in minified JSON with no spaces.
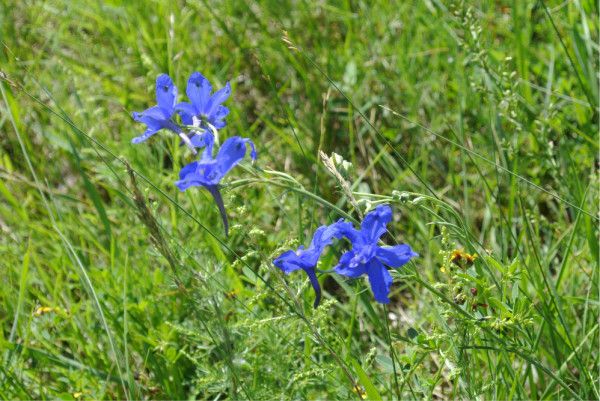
{"x":205,"y":110}
{"x":204,"y":140}
{"x":306,"y":259}
{"x":208,"y":171}
{"x":367,"y":257}
{"x":160,"y":116}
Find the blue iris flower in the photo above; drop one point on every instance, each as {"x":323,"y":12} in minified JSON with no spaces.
{"x":160,"y":116}
{"x":306,"y":259}
{"x":209,"y":171}
{"x":367,"y":257}
{"x":205,"y":110}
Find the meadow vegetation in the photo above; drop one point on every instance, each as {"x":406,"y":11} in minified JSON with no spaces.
{"x":476,"y":121}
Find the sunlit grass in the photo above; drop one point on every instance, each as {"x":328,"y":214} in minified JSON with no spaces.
{"x":477,"y":122}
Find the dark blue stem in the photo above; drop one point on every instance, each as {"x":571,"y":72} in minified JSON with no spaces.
{"x":312,"y":276}
{"x":214,"y":191}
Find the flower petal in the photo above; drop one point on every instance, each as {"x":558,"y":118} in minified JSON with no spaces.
{"x":221,"y":112}
{"x":231,"y":153}
{"x":325,"y":235}
{"x":152,"y":117}
{"x":155,"y":120}
{"x":395,"y":256}
{"x":345,"y":267}
{"x":203,"y":173}
{"x":216,"y":118}
{"x":204,"y":140}
{"x":147,"y":134}
{"x":346,"y":229}
{"x":218,"y":124}
{"x":188,"y":169}
{"x":198,"y":91}
{"x":288,"y":262}
{"x":166,"y":94}
{"x":217,"y":98}
{"x":308,"y":258}
{"x":154,"y":113}
{"x":380,"y":280}
{"x":375,"y":222}
{"x":186,"y":111}
{"x":185,"y":176}
{"x":252,"y":150}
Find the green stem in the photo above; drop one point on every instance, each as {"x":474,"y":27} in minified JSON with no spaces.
{"x":392,"y":353}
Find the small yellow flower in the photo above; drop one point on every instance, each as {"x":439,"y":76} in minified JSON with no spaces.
{"x":42,"y":310}
{"x":77,"y":395}
{"x":470,"y":258}
{"x":359,"y":390}
{"x":462,"y":259}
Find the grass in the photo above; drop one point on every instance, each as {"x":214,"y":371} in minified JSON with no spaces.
{"x":476,"y":120}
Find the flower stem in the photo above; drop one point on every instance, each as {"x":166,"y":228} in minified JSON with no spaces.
{"x":392,"y":353}
{"x":214,"y":191}
{"x":187,"y":141}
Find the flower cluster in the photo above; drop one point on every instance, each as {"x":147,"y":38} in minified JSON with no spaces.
{"x":198,"y":125}
{"x":201,"y":119}
{"x":366,"y":256}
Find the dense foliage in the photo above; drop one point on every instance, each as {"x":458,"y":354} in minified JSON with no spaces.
{"x":475,"y":121}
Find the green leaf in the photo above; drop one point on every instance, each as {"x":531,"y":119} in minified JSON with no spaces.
{"x":412,"y":333}
{"x":92,"y":193}
{"x":372,"y":392}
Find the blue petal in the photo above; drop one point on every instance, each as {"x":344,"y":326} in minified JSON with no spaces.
{"x":289,"y":261}
{"x":147,"y":134}
{"x":198,"y":91}
{"x":308,"y":258}
{"x":188,"y":169}
{"x":151,"y":122}
{"x":395,"y":256}
{"x":186,"y":175}
{"x":346,"y":229}
{"x":200,"y":140}
{"x":204,"y":140}
{"x":374,"y":223}
{"x":186,"y":111}
{"x":220,"y":113}
{"x":218,"y":124}
{"x":153,"y":118}
{"x":154,"y":113}
{"x":183,"y":185}
{"x":204,"y":173}
{"x":217,"y":98}
{"x":252,"y":150}
{"x":231,"y":153}
{"x":325,"y":235}
{"x":321,"y":238}
{"x":380,"y":280}
{"x":345,"y":267}
{"x":166,"y":94}
{"x":216,"y":118}
{"x":211,"y":173}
